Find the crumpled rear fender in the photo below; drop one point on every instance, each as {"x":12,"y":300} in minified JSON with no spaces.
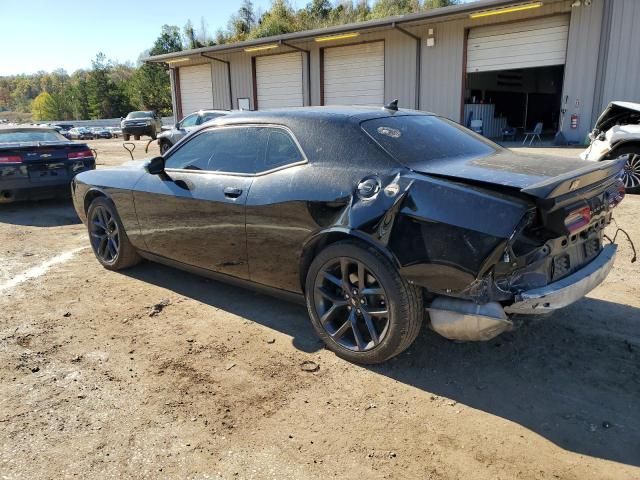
{"x":442,"y":235}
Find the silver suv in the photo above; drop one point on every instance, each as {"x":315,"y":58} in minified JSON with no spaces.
{"x":169,"y":138}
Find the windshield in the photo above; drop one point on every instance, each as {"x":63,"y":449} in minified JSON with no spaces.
{"x":415,"y":139}
{"x":140,"y":115}
{"x":22,"y":136}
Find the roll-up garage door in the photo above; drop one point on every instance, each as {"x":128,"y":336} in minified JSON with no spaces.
{"x":279,"y":80}
{"x":354,"y":75}
{"x":196,"y":89}
{"x":534,"y":43}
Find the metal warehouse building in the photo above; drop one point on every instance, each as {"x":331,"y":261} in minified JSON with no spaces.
{"x":555,"y":62}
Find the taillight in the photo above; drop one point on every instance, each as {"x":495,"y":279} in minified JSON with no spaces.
{"x":578,"y":219}
{"x":616,"y":197}
{"x":80,"y":154}
{"x":10,"y":159}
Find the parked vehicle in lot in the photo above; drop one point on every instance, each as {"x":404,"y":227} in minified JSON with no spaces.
{"x":115,"y":131}
{"x":80,"y":133}
{"x":38,"y":163}
{"x":168,"y":138}
{"x":617,"y":134}
{"x":100,"y":132}
{"x":141,"y":123}
{"x":370,"y":215}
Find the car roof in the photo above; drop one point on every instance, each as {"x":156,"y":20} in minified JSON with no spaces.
{"x":295,"y":115}
{"x":27,"y":129}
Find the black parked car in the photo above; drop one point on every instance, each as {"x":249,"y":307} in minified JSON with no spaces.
{"x":141,"y":123}
{"x":100,"y":132}
{"x":38,"y":163}
{"x":188,"y":124}
{"x":371,"y":215}
{"x":80,"y":133}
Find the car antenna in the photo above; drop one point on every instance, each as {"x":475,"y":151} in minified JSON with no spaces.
{"x":392,"y":105}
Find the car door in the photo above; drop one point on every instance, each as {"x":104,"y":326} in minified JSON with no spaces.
{"x":195,"y":212}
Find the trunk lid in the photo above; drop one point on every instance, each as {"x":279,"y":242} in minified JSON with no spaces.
{"x":540,"y":176}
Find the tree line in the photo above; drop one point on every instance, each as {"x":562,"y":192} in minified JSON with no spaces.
{"x":109,"y":89}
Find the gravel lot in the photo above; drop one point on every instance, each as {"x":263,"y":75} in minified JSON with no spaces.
{"x":155,"y":373}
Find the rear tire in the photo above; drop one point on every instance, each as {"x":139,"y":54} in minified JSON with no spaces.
{"x":136,"y":137}
{"x":154,"y":135}
{"x":108,"y":238}
{"x":359,"y":305}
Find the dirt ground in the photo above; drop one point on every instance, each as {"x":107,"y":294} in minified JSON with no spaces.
{"x":156,"y":373}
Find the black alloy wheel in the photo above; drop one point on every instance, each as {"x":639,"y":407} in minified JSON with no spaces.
{"x":105,"y":235}
{"x":360,"y":305}
{"x":108,"y":237}
{"x":352,"y":304}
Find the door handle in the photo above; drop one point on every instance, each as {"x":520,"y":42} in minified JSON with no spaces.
{"x":232,"y":192}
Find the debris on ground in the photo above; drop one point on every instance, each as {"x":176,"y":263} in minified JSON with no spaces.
{"x":309,"y":366}
{"x":158,"y":307}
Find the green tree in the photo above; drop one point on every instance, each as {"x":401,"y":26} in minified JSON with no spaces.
{"x":279,"y":19}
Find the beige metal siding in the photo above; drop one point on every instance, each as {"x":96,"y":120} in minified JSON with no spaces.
{"x":442,"y":67}
{"x":581,"y":69}
{"x":280,"y":80}
{"x":220,"y":78}
{"x":354,"y":75}
{"x":533,"y":43}
{"x":622,"y":67}
{"x":196,"y":88}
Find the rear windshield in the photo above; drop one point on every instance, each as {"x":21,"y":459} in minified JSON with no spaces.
{"x":24,"y":136}
{"x":415,"y":139}
{"x":140,"y":115}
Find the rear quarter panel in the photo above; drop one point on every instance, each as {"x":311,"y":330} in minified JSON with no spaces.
{"x":116,"y":184}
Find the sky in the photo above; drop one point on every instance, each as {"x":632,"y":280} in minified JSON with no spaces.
{"x":49,"y":34}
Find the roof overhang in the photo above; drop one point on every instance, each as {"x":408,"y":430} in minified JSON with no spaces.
{"x":463,"y":10}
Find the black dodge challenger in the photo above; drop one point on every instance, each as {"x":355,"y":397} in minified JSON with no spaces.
{"x":378,"y":218}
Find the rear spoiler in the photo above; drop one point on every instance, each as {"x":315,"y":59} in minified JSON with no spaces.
{"x":592,"y":173}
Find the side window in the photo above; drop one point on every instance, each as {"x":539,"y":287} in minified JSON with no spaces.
{"x":233,"y":150}
{"x":208,"y":116}
{"x":194,"y":154}
{"x":189,"y":121}
{"x":281,"y":150}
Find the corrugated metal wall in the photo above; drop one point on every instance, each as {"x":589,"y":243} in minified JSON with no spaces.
{"x":442,"y":69}
{"x":220,"y":81}
{"x":622,"y":67}
{"x":581,"y":69}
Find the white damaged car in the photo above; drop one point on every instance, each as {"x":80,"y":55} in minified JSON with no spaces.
{"x":617,"y":134}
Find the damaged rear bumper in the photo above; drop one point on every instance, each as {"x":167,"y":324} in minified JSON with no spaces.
{"x":567,"y":290}
{"x":464,"y":320}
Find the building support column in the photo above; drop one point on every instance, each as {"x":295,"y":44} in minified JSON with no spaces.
{"x":228,"y":64}
{"x":418,"y":60}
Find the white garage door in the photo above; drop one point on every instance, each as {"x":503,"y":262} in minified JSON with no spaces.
{"x":196,"y":89}
{"x":354,"y":75}
{"x":534,"y":43}
{"x":279,"y":80}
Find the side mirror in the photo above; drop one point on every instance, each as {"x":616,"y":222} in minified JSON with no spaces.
{"x":155,"y":166}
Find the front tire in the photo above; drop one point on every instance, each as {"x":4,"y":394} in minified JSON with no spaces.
{"x":631,"y":173}
{"x":164,"y":146}
{"x":359,"y":304}
{"x":108,"y":238}
{"x":126,"y":137}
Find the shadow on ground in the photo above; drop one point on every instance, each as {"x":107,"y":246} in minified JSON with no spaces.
{"x":573,"y":378}
{"x":43,"y":213}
